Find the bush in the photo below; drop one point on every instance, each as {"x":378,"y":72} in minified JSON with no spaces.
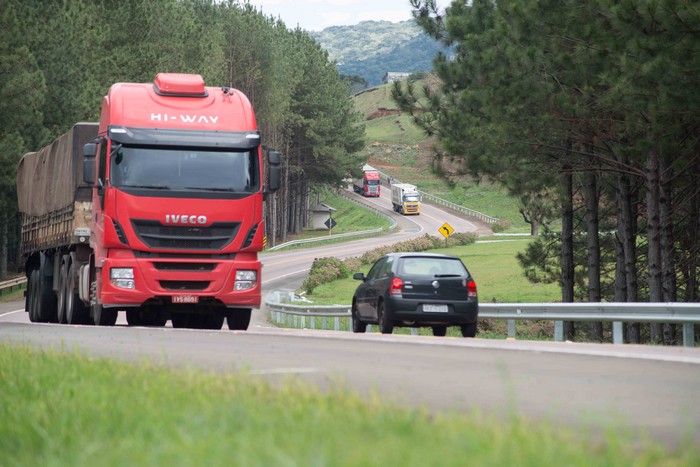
{"x":501,"y":226}
{"x":324,"y":270}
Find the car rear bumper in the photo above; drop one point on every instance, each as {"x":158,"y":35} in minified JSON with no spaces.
{"x":411,"y":311}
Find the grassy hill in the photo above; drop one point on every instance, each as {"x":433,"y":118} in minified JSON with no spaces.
{"x":399,"y":148}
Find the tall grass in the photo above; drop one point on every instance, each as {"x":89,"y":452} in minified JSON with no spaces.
{"x":71,"y":410}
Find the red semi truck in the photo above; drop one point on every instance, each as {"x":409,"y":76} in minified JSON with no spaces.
{"x":370,"y":183}
{"x":156,"y":211}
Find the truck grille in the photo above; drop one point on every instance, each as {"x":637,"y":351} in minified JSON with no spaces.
{"x":184,"y":285}
{"x":214,"y":237}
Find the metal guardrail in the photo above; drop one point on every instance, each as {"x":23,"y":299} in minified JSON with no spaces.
{"x":687,"y":314}
{"x":448,"y":204}
{"x":11,"y":285}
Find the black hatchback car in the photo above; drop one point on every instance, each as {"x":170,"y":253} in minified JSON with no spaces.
{"x":416,"y":290}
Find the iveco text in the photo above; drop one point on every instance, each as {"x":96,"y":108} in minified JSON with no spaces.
{"x":184,"y":219}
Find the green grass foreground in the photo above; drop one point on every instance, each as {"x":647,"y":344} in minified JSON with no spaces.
{"x":69,"y":409}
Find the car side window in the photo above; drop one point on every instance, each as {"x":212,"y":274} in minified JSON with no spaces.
{"x":386,"y":268}
{"x":374,"y":272}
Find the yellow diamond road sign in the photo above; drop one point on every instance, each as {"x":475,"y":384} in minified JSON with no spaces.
{"x":446,"y":230}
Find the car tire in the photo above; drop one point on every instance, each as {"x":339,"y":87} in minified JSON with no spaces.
{"x":440,"y":331}
{"x":386,"y":325}
{"x":357,"y":324}
{"x":468,"y":330}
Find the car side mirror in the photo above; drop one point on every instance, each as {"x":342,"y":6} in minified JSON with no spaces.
{"x":358,"y":276}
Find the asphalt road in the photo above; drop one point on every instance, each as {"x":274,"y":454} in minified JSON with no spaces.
{"x":590,"y":387}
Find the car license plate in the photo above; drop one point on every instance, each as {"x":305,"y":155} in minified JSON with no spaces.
{"x":185,"y":299}
{"x":435,"y":308}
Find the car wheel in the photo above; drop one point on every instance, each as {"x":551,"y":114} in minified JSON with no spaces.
{"x":386,"y":326}
{"x":468,"y":330}
{"x":440,"y":331}
{"x":357,"y":324}
{"x":238,"y":319}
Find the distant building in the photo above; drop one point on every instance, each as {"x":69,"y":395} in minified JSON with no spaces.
{"x":392,"y":76}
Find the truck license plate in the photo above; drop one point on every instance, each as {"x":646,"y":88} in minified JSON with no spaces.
{"x":435,"y":308}
{"x":185,"y":299}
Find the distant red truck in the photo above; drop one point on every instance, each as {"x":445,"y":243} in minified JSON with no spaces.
{"x":369,"y":185}
{"x":156,"y":211}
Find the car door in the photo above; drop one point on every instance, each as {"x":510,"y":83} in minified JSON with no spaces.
{"x":379,"y":286}
{"x":365,"y":290}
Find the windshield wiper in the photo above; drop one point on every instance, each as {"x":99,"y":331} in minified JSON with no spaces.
{"x":149,"y":187}
{"x":227,"y":190}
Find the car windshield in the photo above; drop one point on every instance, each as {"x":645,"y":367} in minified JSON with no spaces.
{"x":185,"y":169}
{"x":431,"y":267}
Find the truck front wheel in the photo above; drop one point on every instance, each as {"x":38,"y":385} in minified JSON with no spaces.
{"x":238,"y":319}
{"x":103,"y":316}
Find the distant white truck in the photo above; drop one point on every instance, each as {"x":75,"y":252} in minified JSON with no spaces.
{"x":405,"y":198}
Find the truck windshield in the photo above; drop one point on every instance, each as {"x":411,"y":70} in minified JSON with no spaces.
{"x":371,"y":182}
{"x":412,"y":198}
{"x":181,"y":169}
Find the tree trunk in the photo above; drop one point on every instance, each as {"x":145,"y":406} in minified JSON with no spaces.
{"x":4,"y":219}
{"x":668,"y":254}
{"x":627,"y":228}
{"x":593,"y":240}
{"x":655,"y":279}
{"x":567,"y":245}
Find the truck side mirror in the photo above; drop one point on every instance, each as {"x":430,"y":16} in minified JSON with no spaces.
{"x":89,"y":152}
{"x":274,"y":160}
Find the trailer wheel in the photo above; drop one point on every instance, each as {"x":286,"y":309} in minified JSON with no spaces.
{"x":32,"y":295}
{"x":61,"y":299}
{"x":238,"y":319}
{"x":76,"y":311}
{"x":46,"y":306}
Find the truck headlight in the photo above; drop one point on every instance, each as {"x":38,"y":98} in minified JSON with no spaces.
{"x":245,"y":280}
{"x":122,"y":277}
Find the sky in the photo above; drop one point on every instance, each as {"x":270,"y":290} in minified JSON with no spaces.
{"x":315,"y":15}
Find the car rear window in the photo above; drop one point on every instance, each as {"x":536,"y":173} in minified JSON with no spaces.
{"x":419,"y":266}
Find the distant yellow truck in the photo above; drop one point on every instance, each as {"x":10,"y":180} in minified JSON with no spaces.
{"x":405,"y":198}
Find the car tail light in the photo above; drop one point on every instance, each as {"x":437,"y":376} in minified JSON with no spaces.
{"x":396,"y":286}
{"x":471,"y":289}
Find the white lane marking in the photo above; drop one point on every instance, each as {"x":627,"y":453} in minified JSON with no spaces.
{"x":11,"y":313}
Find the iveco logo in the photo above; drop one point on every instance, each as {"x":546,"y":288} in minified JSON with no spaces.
{"x":185,"y":219}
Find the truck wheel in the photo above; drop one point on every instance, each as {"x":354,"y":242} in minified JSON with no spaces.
{"x":76,"y":311}
{"x":46,"y":307}
{"x":61,"y":298}
{"x":32,"y":295}
{"x":180,"y":320}
{"x":104,"y":316}
{"x":238,"y":319}
{"x":211,"y":321}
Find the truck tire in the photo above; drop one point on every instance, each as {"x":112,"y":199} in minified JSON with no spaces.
{"x":33,"y":295}
{"x":102,"y":316}
{"x":61,"y":297}
{"x":238,"y":319}
{"x":76,"y":311}
{"x":46,"y":307}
